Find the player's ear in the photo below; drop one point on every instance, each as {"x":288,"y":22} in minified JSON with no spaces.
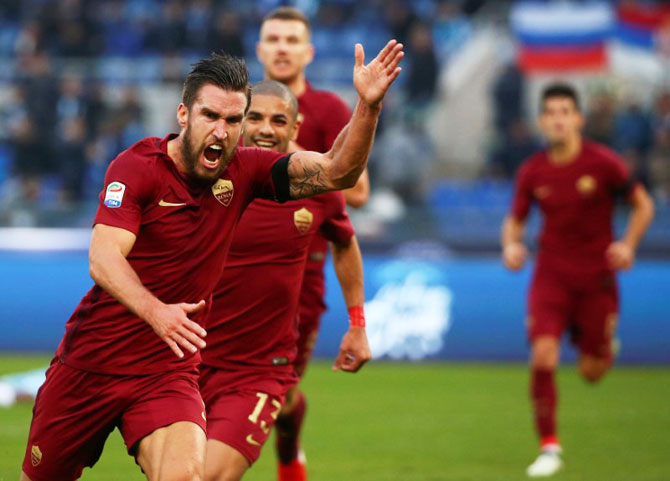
{"x":310,"y":54}
{"x":296,"y":128}
{"x":182,"y":115}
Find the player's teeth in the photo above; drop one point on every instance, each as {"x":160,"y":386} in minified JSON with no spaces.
{"x":216,"y":147}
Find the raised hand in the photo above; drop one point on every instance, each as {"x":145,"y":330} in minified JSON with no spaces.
{"x":171,"y":323}
{"x":354,"y":351}
{"x":374,"y":79}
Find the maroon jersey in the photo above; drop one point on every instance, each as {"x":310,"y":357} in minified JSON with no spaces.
{"x":183,"y":232}
{"x":253,"y":319}
{"x":577,"y":202}
{"x":324,"y":116}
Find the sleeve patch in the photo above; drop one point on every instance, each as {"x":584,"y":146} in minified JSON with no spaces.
{"x":114,"y":194}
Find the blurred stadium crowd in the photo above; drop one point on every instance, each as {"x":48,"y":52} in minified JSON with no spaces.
{"x":75,"y":77}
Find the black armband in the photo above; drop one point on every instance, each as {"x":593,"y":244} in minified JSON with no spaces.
{"x":280,"y":179}
{"x":625,"y":189}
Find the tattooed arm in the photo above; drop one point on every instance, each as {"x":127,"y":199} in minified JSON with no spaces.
{"x":311,"y":173}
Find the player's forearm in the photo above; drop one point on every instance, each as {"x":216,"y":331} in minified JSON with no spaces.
{"x":359,"y":194}
{"x":111,"y":271}
{"x":640,"y":218}
{"x":512,"y":231}
{"x":348,"y":264}
{"x":352,"y":147}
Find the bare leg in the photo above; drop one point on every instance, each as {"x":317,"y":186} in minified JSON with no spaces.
{"x":224,"y":463}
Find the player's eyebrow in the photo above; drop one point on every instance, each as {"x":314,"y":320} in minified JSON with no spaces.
{"x":279,"y":117}
{"x":210,"y":113}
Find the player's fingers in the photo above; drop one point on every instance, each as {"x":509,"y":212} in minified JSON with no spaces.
{"x":175,"y":348}
{"x":339,"y":361}
{"x":381,"y":56}
{"x":393,"y":55}
{"x":359,"y":54}
{"x":390,"y":68}
{"x":192,"y":308}
{"x":183,"y":342}
{"x":192,"y":337}
{"x":194,"y":327}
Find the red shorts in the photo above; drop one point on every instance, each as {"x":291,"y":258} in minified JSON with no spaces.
{"x":585,"y":305}
{"x":76,"y":410}
{"x":242,"y":406}
{"x":308,"y":330}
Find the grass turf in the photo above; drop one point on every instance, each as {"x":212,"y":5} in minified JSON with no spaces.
{"x":430,"y":422}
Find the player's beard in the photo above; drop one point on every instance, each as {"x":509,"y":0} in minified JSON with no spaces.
{"x":191,"y":157}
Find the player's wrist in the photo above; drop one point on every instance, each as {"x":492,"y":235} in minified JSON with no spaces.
{"x":356,"y":316}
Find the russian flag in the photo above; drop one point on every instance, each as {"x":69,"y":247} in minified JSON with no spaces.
{"x":562,"y":36}
{"x":639,"y":23}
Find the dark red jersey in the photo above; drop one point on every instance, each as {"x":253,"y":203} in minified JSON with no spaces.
{"x":183,"y":233}
{"x":253,"y":319}
{"x":577,"y":201}
{"x":324,"y":116}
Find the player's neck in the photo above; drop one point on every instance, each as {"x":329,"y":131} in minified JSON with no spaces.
{"x":174,"y":152}
{"x":298,"y":85}
{"x":565,"y":152}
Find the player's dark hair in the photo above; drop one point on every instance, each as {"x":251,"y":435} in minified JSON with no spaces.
{"x":277,"y":89}
{"x":220,"y":69}
{"x":559,"y":90}
{"x":288,"y":13}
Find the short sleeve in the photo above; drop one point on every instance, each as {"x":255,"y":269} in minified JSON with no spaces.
{"x":523,"y":193}
{"x":269,"y":174}
{"x":338,"y":116}
{"x":336,"y":226}
{"x":129,"y":187}
{"x":619,"y":180}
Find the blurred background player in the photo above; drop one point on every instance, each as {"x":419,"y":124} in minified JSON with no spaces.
{"x":575,"y":182}
{"x":252,"y":331}
{"x":285,"y":51}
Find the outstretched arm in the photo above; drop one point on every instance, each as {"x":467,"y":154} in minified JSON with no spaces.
{"x":348,"y":264}
{"x":110,"y":269}
{"x":311,"y":173}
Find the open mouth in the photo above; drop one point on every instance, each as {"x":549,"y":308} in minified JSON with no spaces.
{"x":212,"y":156}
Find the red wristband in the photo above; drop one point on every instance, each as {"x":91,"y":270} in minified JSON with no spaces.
{"x":356,"y":316}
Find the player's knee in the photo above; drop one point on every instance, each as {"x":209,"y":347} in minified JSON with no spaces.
{"x":545,"y":354}
{"x":222,"y":473}
{"x":186,"y":472}
{"x":593,"y":370}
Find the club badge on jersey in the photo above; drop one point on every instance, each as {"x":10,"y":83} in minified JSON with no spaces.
{"x":223,"y":190}
{"x":114,"y":194}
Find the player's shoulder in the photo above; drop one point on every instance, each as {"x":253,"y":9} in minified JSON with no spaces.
{"x":533,"y":162}
{"x":597,"y":152}
{"x":325,"y":97}
{"x":144,"y":152}
{"x":244,"y":154}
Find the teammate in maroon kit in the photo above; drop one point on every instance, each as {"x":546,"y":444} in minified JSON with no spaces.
{"x":248,"y":362}
{"x":158,"y":247}
{"x":575,"y":182}
{"x":285,"y":51}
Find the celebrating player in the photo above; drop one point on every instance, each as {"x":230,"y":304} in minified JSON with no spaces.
{"x":575,"y":182}
{"x":129,"y":355}
{"x":248,"y":362}
{"x":285,"y":51}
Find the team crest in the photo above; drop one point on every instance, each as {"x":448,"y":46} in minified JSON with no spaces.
{"x":586,"y":184}
{"x":35,"y":455}
{"x":303,"y":219}
{"x":223,"y":190}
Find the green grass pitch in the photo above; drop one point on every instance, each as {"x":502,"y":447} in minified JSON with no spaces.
{"x":438,"y":422}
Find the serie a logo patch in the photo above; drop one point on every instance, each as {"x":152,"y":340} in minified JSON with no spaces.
{"x":114,"y":194}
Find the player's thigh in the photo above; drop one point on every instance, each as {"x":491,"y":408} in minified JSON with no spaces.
{"x":73,"y":415}
{"x":223,"y":462}
{"x":243,"y":420}
{"x":165,"y":423}
{"x":549,"y":307}
{"x":596,"y":322}
{"x":173,"y":453}
{"x":308,"y":331}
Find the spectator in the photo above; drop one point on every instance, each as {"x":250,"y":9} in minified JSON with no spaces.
{"x":600,"y":119}
{"x":424,"y":69}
